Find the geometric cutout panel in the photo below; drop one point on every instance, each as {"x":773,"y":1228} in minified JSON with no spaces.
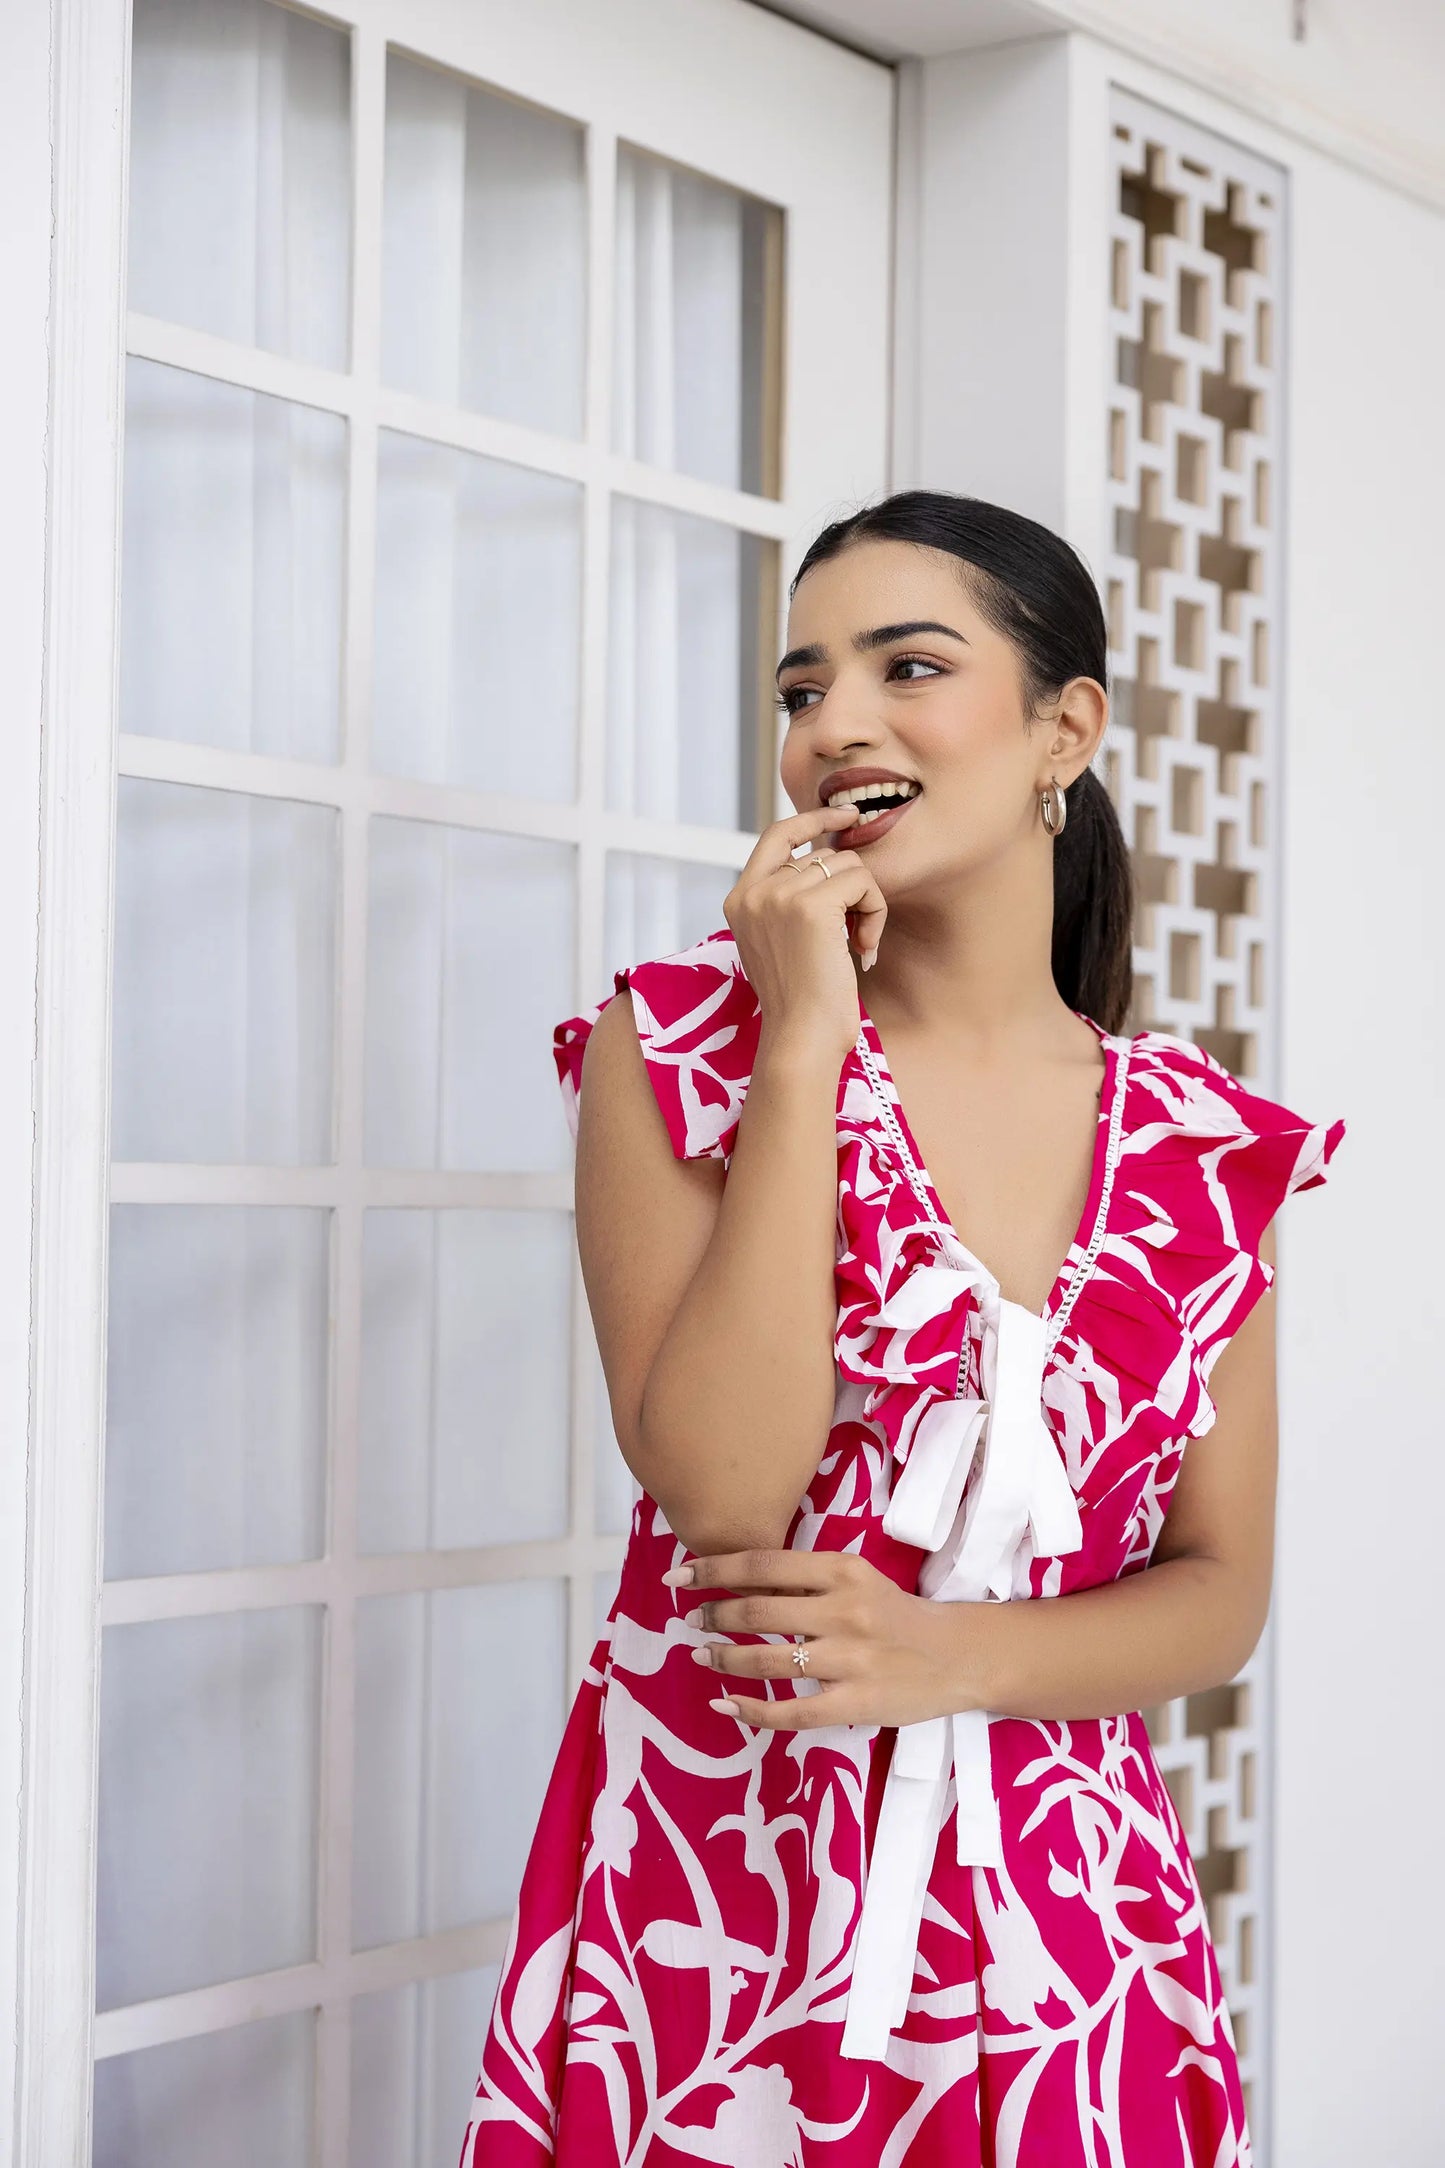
{"x":1193,"y":570}
{"x":1193,"y":584}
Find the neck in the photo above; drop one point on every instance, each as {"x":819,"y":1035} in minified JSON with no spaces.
{"x":972,"y":962}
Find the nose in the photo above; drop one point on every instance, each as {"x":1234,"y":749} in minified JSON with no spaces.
{"x":842,"y":722}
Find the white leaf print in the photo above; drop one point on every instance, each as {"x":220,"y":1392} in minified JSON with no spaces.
{"x":759,"y":2127}
{"x":538,"y":1992}
{"x":1182,"y":2007}
{"x":676,"y":1942}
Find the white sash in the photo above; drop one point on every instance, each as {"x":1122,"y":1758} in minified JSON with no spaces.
{"x":1021,"y":1505}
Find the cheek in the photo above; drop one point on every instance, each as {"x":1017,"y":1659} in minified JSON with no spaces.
{"x":794,"y":773}
{"x":972,"y":749}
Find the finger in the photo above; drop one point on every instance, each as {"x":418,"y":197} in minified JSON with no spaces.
{"x":764,"y":1569}
{"x":795,"y":1712}
{"x":808,"y":1615}
{"x":777,"y":843}
{"x":772,"y":1659}
{"x":850,"y":884}
{"x":869,"y":918}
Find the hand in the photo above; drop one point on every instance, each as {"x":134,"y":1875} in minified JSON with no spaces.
{"x":794,"y":928}
{"x":881,"y":1655}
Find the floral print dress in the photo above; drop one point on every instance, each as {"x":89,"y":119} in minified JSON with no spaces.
{"x":973,"y":1940}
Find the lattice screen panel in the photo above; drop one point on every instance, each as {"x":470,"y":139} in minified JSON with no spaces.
{"x":1192,"y":588}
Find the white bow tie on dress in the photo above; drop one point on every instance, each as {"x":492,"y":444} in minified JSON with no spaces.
{"x":1021,"y":1505}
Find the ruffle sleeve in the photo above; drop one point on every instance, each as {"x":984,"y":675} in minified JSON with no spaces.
{"x":697,"y":1020}
{"x":1208,"y":1162}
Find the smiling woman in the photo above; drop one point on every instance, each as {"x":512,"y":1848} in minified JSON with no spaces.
{"x":946,"y":1526}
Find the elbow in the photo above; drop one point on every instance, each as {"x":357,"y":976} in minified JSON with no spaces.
{"x":1241,"y":1617}
{"x":1244,"y":1643}
{"x":716,"y":1527}
{"x":711,"y":1518}
{"x":718,"y":1538}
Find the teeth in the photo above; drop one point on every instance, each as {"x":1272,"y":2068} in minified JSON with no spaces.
{"x":861,"y":791}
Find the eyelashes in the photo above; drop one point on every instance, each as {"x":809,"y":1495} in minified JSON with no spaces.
{"x":785,"y":700}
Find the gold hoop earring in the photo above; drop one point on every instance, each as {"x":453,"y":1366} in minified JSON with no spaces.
{"x":1053,"y":806}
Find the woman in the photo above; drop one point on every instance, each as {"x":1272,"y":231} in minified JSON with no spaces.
{"x":896,"y":1879}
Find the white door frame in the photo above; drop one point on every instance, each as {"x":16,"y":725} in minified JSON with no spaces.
{"x":61,"y":667}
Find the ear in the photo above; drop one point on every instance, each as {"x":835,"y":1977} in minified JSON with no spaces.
{"x":1071,"y":737}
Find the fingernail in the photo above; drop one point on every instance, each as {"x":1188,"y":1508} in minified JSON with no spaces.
{"x":678,"y":1576}
{"x":703,"y":1655}
{"x":870,"y":959}
{"x":728,"y":1708}
{"x":694,"y":1616}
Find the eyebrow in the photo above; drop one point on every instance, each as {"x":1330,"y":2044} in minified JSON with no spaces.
{"x":880,"y":636}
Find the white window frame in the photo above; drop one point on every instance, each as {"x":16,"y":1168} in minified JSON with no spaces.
{"x":54,"y":1261}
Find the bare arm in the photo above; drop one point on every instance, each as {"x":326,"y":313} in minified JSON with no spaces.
{"x":712,"y":1296}
{"x":1188,"y":1621}
{"x":1194,"y":1616}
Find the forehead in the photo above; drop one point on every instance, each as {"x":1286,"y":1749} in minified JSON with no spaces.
{"x":874,"y":583}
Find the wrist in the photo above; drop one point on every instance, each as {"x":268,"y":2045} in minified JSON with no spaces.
{"x":976,"y":1637}
{"x":792,"y":1056}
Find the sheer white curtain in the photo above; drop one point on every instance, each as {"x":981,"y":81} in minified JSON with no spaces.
{"x":239,"y":175}
{"x":223,"y":1056}
{"x":477,"y":626}
{"x":235,"y":914}
{"x":484,"y":250}
{"x":680,"y":592}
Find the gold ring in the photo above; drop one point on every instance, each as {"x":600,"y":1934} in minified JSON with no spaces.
{"x":801,"y":865}
{"x":800,"y":1657}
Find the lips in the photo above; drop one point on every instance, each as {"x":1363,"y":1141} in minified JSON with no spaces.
{"x":869,"y":831}
{"x":850,"y":778}
{"x":863,"y":833}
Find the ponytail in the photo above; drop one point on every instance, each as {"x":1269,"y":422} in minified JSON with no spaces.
{"x":1093,"y":907}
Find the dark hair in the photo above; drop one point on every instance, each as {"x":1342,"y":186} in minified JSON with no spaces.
{"x":1035,"y":589}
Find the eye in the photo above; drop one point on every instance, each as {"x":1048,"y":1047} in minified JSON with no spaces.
{"x":790,"y":697}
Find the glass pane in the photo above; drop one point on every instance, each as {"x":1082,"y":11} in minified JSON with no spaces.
{"x":604,"y":1592}
{"x":229,"y":2099}
{"x":484,"y":250}
{"x":208,"y":1761}
{"x":215,"y":1444}
{"x":224,"y":942}
{"x":478,"y":621}
{"x":459,"y":1716}
{"x":231,"y":583}
{"x":470,"y":961}
{"x":465,"y":1365}
{"x":414,"y":2058}
{"x":615,"y":1488}
{"x":656,"y":906}
{"x":695,"y":347}
{"x":690,"y":726}
{"x":240,"y":173}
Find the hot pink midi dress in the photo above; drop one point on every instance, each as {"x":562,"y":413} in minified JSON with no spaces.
{"x":972,"y":1940}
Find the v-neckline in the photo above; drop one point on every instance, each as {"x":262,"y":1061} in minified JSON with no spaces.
{"x":1088,"y":1235}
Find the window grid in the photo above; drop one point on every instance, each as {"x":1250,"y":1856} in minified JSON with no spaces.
{"x":347,"y":1186}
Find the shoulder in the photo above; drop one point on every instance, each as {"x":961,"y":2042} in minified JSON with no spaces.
{"x":696,"y":1019}
{"x":1195,"y":1122}
{"x":695,"y":994}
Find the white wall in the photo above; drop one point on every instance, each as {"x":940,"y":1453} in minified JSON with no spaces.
{"x":1000,"y":391}
{"x":1362,"y":84}
{"x":1360,"y":1649}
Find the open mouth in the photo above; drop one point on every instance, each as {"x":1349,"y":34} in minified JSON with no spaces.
{"x":879,"y":807}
